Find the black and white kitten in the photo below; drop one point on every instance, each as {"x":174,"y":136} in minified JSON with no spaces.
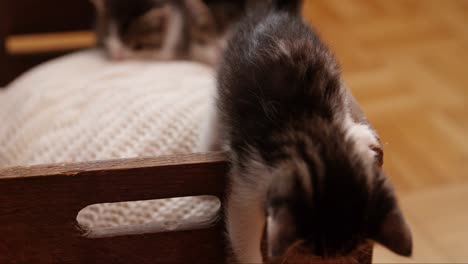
{"x":165,"y":29}
{"x":305,"y":161}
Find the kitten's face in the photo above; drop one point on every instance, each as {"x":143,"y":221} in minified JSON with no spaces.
{"x":140,"y":28}
{"x":329,"y":202}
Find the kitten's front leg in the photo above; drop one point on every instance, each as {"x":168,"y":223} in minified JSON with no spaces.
{"x":245,"y":222}
{"x":366,"y":140}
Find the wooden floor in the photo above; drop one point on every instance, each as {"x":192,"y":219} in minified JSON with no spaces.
{"x":405,"y":62}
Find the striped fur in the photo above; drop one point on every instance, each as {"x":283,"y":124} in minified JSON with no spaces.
{"x":166,"y":30}
{"x":301,"y":163}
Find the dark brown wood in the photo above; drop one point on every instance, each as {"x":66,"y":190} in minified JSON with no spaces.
{"x":25,"y":17}
{"x":39,"y":204}
{"x":4,"y":25}
{"x":28,"y":16}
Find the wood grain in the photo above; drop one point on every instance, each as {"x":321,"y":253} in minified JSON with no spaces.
{"x":438,"y":217}
{"x":110,"y":165}
{"x":49,"y":42}
{"x":39,"y":204}
{"x":405,"y":61}
{"x":38,"y":207}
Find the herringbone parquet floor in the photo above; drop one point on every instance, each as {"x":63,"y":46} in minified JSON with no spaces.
{"x":405,"y":62}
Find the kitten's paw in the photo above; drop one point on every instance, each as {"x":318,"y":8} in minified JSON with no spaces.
{"x":378,"y":154}
{"x":367,"y":144}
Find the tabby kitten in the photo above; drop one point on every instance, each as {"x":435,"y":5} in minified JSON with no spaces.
{"x":165,"y":29}
{"x":305,"y":162}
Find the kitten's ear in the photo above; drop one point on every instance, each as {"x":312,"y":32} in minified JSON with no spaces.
{"x":391,"y":229}
{"x":395,"y":234}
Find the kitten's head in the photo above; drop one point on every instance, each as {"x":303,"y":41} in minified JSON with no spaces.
{"x":330,"y":196}
{"x":141,"y":28}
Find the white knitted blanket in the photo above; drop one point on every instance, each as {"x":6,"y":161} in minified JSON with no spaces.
{"x":82,"y":107}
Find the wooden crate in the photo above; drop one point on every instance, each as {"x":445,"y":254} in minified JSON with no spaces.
{"x":23,"y":17}
{"x":39,"y":204}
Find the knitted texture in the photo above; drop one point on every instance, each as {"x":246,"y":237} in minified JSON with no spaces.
{"x":82,"y":107}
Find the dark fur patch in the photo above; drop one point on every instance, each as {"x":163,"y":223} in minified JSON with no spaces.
{"x":262,"y":88}
{"x":280,"y":94}
{"x":334,"y":220}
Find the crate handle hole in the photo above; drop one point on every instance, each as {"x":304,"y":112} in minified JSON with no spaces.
{"x":149,"y":216}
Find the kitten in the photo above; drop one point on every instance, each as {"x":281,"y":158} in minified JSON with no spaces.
{"x":165,"y":29}
{"x":305,"y":161}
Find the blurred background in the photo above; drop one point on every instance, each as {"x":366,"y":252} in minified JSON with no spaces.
{"x":405,"y":61}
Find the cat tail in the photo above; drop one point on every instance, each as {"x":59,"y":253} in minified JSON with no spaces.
{"x":290,"y":6}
